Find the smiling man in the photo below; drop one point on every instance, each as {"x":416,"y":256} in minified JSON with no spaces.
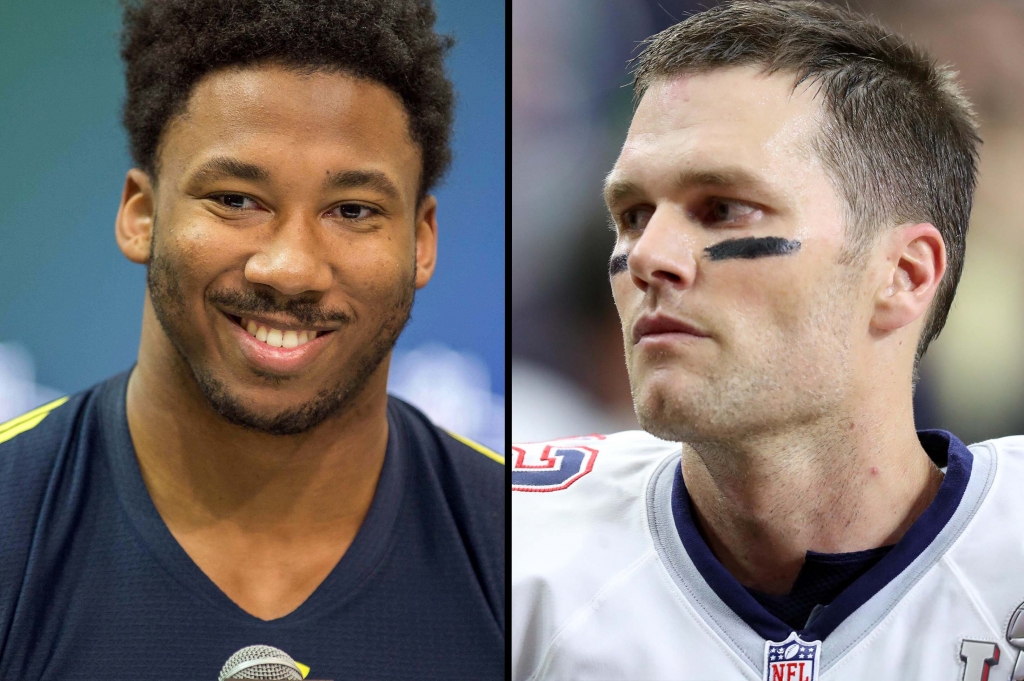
{"x":250,"y":481}
{"x":790,"y":207}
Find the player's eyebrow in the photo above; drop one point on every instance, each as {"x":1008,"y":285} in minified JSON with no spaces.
{"x":620,"y":191}
{"x":220,"y":167}
{"x":369,"y":179}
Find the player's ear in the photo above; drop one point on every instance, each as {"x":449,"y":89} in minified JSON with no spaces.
{"x":426,"y":240}
{"x":916,"y":261}
{"x":133,"y":226}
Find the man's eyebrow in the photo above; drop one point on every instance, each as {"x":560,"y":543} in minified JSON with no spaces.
{"x":721,"y":177}
{"x":370,"y":179}
{"x":616,"y":191}
{"x":224,"y":166}
{"x":619,"y":191}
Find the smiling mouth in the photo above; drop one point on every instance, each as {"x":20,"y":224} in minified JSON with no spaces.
{"x":274,"y":337}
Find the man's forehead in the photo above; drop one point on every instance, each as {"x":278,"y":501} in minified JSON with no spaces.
{"x":736,"y":94}
{"x":271,"y":95}
{"x":737,"y":121}
{"x":270,"y":115}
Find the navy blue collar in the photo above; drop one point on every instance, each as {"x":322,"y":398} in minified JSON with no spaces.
{"x":943,"y":448}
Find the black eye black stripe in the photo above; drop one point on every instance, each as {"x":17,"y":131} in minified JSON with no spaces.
{"x":618,"y":263}
{"x":751,"y":247}
{"x":746,"y":248}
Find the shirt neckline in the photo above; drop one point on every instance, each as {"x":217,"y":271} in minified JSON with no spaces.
{"x":940,"y":446}
{"x":821,"y":578}
{"x":368,"y":548}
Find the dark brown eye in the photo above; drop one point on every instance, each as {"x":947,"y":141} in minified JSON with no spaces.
{"x":235,"y":201}
{"x":353,"y":211}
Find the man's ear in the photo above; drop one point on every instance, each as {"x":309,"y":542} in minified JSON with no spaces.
{"x":133,"y":226}
{"x":426,"y":240}
{"x":915,"y":265}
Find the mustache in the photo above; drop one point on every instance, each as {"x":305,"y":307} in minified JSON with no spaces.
{"x":255,"y":302}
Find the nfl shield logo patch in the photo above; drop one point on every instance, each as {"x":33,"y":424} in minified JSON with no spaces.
{"x":791,"y":660}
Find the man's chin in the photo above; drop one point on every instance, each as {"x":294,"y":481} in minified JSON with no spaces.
{"x":292,"y":421}
{"x":659,"y":417}
{"x":664,"y":427}
{"x":681,"y":415}
{"x":250,"y":414}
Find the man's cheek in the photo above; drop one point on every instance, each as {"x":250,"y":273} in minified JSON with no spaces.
{"x":623,"y":293}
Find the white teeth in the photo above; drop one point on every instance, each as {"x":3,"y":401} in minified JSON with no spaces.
{"x":275,"y":337}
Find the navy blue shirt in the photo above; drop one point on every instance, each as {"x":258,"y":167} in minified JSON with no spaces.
{"x":822,"y":577}
{"x":94,"y":586}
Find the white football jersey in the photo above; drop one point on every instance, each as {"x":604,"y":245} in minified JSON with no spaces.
{"x":611,"y":580}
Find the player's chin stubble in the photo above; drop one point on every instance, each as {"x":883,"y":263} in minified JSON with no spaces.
{"x":166,"y":297}
{"x":796,"y":379}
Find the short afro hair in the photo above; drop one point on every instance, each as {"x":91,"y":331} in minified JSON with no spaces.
{"x":169,"y":45}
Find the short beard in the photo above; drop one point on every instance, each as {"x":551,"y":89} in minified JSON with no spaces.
{"x":328,"y":402}
{"x":165,"y":295}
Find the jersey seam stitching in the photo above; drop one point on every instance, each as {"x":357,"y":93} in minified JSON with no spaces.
{"x":986,"y":616}
{"x":589,"y":608}
{"x":734,"y":646}
{"x":867,"y":631}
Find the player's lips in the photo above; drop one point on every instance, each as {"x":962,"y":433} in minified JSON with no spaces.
{"x":662,"y":327}
{"x":280,"y":346}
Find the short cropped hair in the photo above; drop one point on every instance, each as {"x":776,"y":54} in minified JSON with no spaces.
{"x":169,"y":45}
{"x":899,"y":139}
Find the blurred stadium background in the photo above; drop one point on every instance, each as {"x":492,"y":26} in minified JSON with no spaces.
{"x":71,"y":304}
{"x":571,"y":106}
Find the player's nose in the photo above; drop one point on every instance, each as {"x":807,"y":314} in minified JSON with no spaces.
{"x":664,"y":253}
{"x":292,"y":259}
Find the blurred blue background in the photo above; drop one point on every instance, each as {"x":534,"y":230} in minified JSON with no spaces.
{"x":71,"y":304}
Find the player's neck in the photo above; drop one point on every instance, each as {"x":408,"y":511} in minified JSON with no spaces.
{"x":202,"y":470}
{"x":849,"y":485}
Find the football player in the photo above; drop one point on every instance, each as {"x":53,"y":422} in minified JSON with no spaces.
{"x":249,"y":481}
{"x":790,"y":204}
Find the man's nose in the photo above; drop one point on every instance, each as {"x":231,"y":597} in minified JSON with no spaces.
{"x":664,"y":255}
{"x":293,"y":259}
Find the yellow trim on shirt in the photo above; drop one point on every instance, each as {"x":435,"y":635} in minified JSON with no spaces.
{"x":20,"y":424}
{"x":479,"y":447}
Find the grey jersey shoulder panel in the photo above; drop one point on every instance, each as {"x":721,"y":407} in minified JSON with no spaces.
{"x":737,"y":634}
{"x":859,"y":624}
{"x":743,"y":640}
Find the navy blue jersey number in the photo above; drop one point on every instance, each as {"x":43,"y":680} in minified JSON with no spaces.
{"x":557,"y":467}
